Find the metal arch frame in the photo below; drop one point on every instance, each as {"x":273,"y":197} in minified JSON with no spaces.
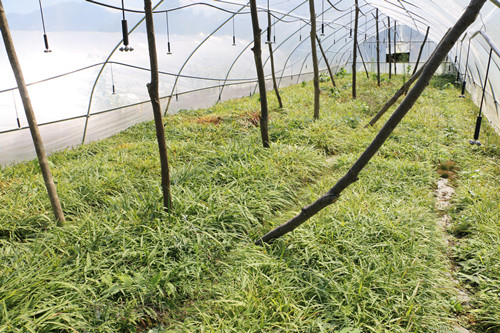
{"x":102,"y":69}
{"x":299,"y":44}
{"x":307,"y":56}
{"x":244,"y":50}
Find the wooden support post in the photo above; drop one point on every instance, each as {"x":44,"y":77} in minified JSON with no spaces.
{"x":355,"y":48}
{"x":389,"y":43}
{"x":420,"y":51}
{"x":155,"y":101}
{"x":467,"y":18}
{"x":363,"y":62}
{"x":378,"y":51}
{"x":271,"y":58}
{"x":30,"y":116}
{"x":326,"y":60}
{"x":314,"y":55}
{"x":257,"y":53}
{"x":395,"y":47}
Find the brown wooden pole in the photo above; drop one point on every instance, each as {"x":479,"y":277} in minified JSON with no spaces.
{"x":314,"y":55}
{"x":389,"y":43}
{"x":378,"y":51}
{"x":271,"y":58}
{"x":326,"y":60}
{"x":155,"y":102}
{"x":257,"y":54}
{"x":420,"y":51}
{"x":363,"y":62}
{"x":30,"y":116}
{"x":355,"y":49}
{"x":467,"y":18}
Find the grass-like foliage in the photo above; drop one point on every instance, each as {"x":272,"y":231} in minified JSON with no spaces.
{"x":375,"y":261}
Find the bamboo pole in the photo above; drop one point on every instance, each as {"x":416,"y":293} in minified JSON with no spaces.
{"x":271,"y":58}
{"x":355,"y":49}
{"x":30,"y":116}
{"x":467,"y":18}
{"x":314,"y":54}
{"x":155,"y":101}
{"x":326,"y":60}
{"x":257,"y":53}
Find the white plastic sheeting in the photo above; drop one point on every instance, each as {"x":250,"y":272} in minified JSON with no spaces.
{"x":86,"y":89}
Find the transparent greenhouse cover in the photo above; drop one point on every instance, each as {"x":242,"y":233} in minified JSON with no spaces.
{"x":86,"y":89}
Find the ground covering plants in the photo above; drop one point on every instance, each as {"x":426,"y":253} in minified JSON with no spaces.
{"x":375,"y":261}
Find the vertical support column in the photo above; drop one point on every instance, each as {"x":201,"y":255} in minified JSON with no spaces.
{"x":155,"y":101}
{"x":355,"y":48}
{"x":378,"y":51}
{"x":257,"y":53}
{"x":389,"y":43}
{"x":314,"y":54}
{"x":395,"y":46}
{"x":30,"y":116}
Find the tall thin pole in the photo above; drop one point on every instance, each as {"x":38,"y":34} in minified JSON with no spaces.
{"x":420,"y":51}
{"x":314,"y":54}
{"x":395,"y":47}
{"x":257,"y":53}
{"x":355,"y":49}
{"x":480,"y":115}
{"x":457,"y":81}
{"x":30,"y":116}
{"x":326,"y":60}
{"x":155,"y":101}
{"x":378,"y":52}
{"x":271,"y":58}
{"x":389,"y":43}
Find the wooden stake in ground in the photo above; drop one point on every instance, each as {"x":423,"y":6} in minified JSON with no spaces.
{"x":467,"y":18}
{"x":30,"y":116}
{"x":378,"y":51}
{"x":271,"y":56}
{"x":257,"y":54}
{"x":420,"y":51}
{"x":389,"y":44}
{"x":155,"y":101}
{"x":355,"y":49}
{"x":326,"y":60}
{"x":314,"y":55}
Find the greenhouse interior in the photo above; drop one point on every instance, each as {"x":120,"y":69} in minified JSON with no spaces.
{"x":177,"y":166}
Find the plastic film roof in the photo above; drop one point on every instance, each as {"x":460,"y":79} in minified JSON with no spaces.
{"x":87,"y":89}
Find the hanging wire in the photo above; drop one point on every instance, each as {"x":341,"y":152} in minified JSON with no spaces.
{"x":322,"y":17}
{"x":45,"y":38}
{"x":112,"y":79}
{"x":15,"y":108}
{"x":168,"y":34}
{"x":464,"y":82}
{"x":125,"y":32}
{"x":274,"y":31}
{"x":350,"y":24}
{"x":234,"y":35}
{"x":480,"y":115}
{"x":268,"y":41}
{"x":300,"y":31}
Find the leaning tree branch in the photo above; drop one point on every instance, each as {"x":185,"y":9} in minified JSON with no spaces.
{"x":467,"y":18}
{"x":30,"y":116}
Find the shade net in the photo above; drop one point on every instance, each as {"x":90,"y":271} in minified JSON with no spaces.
{"x":87,"y":89}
